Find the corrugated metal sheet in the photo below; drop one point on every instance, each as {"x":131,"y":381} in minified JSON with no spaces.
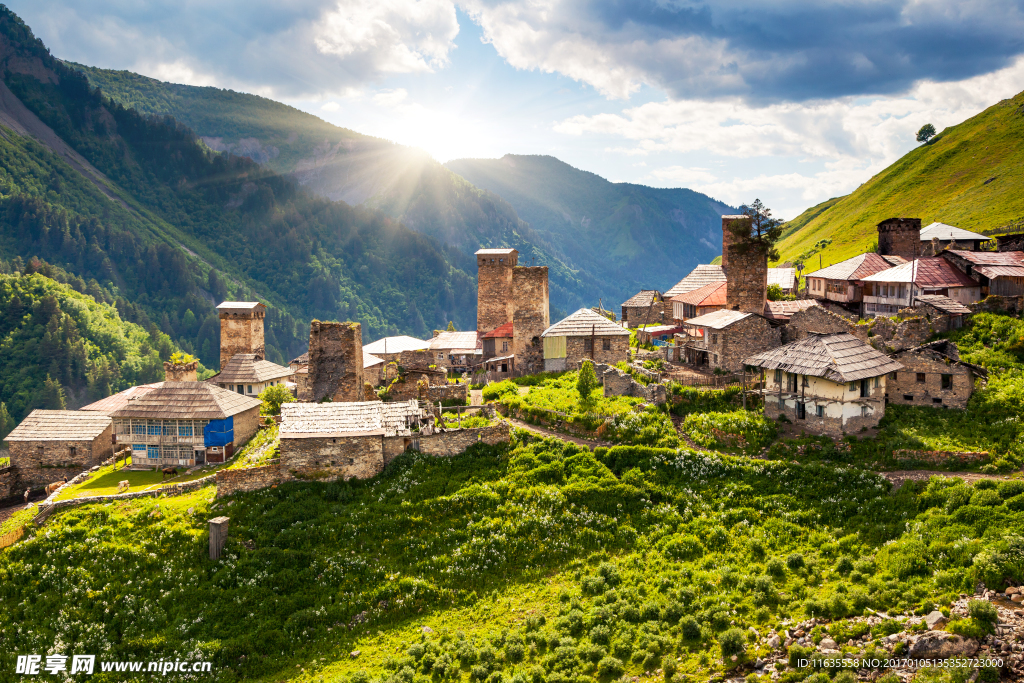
{"x":554,"y":347}
{"x":857,"y":268}
{"x":943,"y":303}
{"x":990,"y":258}
{"x":717,"y":320}
{"x":837,"y":357}
{"x":454,"y":340}
{"x":394,"y":345}
{"x":1000,"y":271}
{"x":949,"y":232}
{"x":783,"y":277}
{"x":925,"y":272}
{"x":712,"y":294}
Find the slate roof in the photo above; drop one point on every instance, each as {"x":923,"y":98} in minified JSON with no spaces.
{"x":500,"y":332}
{"x":711,"y":294}
{"x":245,"y":368}
{"x":858,"y":267}
{"x":395,"y":345}
{"x":361,"y":418}
{"x":119,"y":400}
{"x":783,"y":277}
{"x":186,"y":401}
{"x":784,"y":310}
{"x":455,"y":340}
{"x":304,"y":359}
{"x":838,"y":357}
{"x":943,"y":303}
{"x":583,"y":323}
{"x":701,"y":275}
{"x":933,"y":271}
{"x":643,"y":298}
{"x":949,"y":232}
{"x":60,"y":425}
{"x":717,"y":320}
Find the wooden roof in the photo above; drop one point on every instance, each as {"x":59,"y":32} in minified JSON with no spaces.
{"x":60,"y":425}
{"x":642,"y":298}
{"x":701,"y":275}
{"x":110,"y":404}
{"x":584,"y":323}
{"x":838,"y":357}
{"x":186,"y":401}
{"x":360,"y":418}
{"x":245,"y":368}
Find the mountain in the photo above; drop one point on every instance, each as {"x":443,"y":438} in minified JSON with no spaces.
{"x":970,"y":175}
{"x":642,"y":237}
{"x":138,"y":207}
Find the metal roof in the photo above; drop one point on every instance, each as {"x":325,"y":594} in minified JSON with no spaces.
{"x":644,"y":298}
{"x":717,"y":320}
{"x":989,"y":258}
{"x":187,"y":401}
{"x":454,"y":340}
{"x":360,"y":418}
{"x":838,"y":357}
{"x":494,"y":252}
{"x":59,"y":425}
{"x":933,"y":271}
{"x":943,"y":303}
{"x":500,"y":332}
{"x":949,"y":232}
{"x":1000,"y":271}
{"x":583,"y":323}
{"x":395,"y":345}
{"x":858,"y":267}
{"x":245,"y":368}
{"x":369,"y":360}
{"x":239,"y":305}
{"x":712,"y":294}
{"x":783,"y":277}
{"x":701,"y":275}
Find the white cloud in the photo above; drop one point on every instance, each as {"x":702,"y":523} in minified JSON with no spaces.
{"x":390,"y":98}
{"x":331,"y":106}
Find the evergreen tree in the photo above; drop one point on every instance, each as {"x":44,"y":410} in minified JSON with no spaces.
{"x":6,"y":422}
{"x":53,"y":395}
{"x":586,"y":383}
{"x":451,"y":326}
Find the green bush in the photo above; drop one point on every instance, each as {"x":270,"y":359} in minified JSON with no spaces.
{"x":753,"y":427}
{"x":986,"y":498}
{"x":968,"y":628}
{"x":689,"y":628}
{"x":732,"y":642}
{"x":984,"y":611}
{"x":497,"y":390}
{"x":795,"y":561}
{"x":611,"y":667}
{"x":1011,"y":489}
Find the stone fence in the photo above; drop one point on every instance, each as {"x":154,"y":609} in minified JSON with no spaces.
{"x":619,"y":383}
{"x":998,"y":304}
{"x":250,"y":479}
{"x":939,"y":457}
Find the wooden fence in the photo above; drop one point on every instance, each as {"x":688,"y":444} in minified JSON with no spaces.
{"x":11,"y":537}
{"x":708,"y":381}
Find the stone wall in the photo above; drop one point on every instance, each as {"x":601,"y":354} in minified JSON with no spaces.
{"x":576,"y":353}
{"x":8,"y":482}
{"x":939,"y":457}
{"x":817,"y":319}
{"x":998,"y":304}
{"x":494,"y":304}
{"x":530,"y":317}
{"x":727,"y":348}
{"x":890,"y":335}
{"x":930,"y":391}
{"x":331,"y":458}
{"x":38,"y":463}
{"x":900,"y":237}
{"x":181,"y":372}
{"x":455,"y":441}
{"x":245,"y":426}
{"x":335,"y":361}
{"x":421,"y":358}
{"x":250,"y":479}
{"x":660,"y":313}
{"x":241,"y":333}
{"x":745,"y":273}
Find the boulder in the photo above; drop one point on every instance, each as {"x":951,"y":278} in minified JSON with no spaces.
{"x":828,"y":644}
{"x":940,"y":645}
{"x":774,"y":642}
{"x":935,"y":620}
{"x":1012,"y":590}
{"x":1017,"y":598}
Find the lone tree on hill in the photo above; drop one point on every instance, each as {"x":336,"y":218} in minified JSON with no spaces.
{"x":272,"y":397}
{"x":926,"y":133}
{"x":763,"y":234}
{"x":586,"y":383}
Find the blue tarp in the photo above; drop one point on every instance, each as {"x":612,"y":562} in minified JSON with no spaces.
{"x":219,"y":432}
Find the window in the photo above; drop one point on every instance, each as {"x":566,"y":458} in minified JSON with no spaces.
{"x":805,"y":382}
{"x":819,"y":411}
{"x":878,"y":382}
{"x":154,"y":430}
{"x":606,"y":344}
{"x":248,"y":388}
{"x":716,"y":358}
{"x":920,"y":378}
{"x":139,"y":428}
{"x":185,"y":430}
{"x":908,"y":397}
{"x":714,"y":339}
{"x":937,"y":400}
{"x":791,"y":382}
{"x":504,"y":346}
{"x":153,"y":452}
{"x":947,"y":381}
{"x":865,"y":388}
{"x":801,"y":411}
{"x":239,"y":388}
{"x":892,"y":376}
{"x":440,"y":356}
{"x":588,"y":345}
{"x":778,"y":376}
{"x":72,"y":451}
{"x":853,"y":386}
{"x":865,"y":411}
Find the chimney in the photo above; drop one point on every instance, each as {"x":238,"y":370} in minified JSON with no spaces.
{"x":181,"y":372}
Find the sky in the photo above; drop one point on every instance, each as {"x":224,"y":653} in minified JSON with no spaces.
{"x":789,"y":101}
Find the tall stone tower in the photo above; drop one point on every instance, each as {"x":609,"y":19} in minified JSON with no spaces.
{"x":746,"y":274}
{"x":530,"y":316}
{"x":900,"y":237}
{"x":241,"y":329}
{"x":336,"y":361}
{"x":494,"y":305}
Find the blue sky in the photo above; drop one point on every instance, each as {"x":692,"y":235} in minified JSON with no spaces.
{"x":789,"y":101}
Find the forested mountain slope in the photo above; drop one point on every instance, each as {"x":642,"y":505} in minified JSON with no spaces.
{"x":647,"y":237}
{"x":189,"y":227}
{"x":970,"y":175}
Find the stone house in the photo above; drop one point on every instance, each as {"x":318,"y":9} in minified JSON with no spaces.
{"x":889,"y":291}
{"x":998,"y":273}
{"x":950,"y":236}
{"x":839,"y":282}
{"x":498,"y":342}
{"x":389,"y":348}
{"x":829,"y":384}
{"x":818,"y":320}
{"x":584,"y":335}
{"x":722,"y":339}
{"x":647,"y":307}
{"x":180,"y":423}
{"x":249,"y":375}
{"x":49,"y":445}
{"x":933,"y":375}
{"x":373,"y":369}
{"x":944,"y":314}
{"x":697,"y":302}
{"x":785,"y":278}
{"x":456,"y":350}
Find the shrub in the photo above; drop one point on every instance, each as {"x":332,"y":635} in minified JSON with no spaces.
{"x":755,"y":429}
{"x":986,"y":497}
{"x":968,"y":628}
{"x":984,"y":611}
{"x":1016,"y":503}
{"x":610,"y":573}
{"x":600,"y":634}
{"x":610,"y":666}
{"x":1010,"y":489}
{"x":669,"y":666}
{"x":494,"y":392}
{"x":776,"y":567}
{"x":795,"y":561}
{"x":844,"y":565}
{"x":685,"y":547}
{"x":689,"y":628}
{"x":651,"y":661}
{"x":732,"y":642}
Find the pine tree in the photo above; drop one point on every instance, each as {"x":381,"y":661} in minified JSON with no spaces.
{"x":53,"y":395}
{"x":451,"y":326}
{"x":6,"y":422}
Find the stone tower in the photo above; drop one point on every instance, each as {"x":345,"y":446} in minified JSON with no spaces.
{"x":900,"y":237}
{"x":530,"y":316}
{"x":336,"y":361}
{"x":746,"y":274}
{"x":241,"y":329}
{"x":494,"y":305}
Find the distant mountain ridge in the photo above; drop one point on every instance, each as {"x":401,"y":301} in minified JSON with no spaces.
{"x":971,"y":175}
{"x":655,"y":234}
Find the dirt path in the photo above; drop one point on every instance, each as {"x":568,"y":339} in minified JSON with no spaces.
{"x":589,"y":443}
{"x":897,"y":477}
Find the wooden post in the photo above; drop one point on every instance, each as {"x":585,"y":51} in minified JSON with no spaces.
{"x":744,"y":387}
{"x":218,"y":535}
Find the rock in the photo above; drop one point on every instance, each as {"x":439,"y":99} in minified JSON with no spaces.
{"x":940,"y":645}
{"x":354,"y":654}
{"x":1012,"y":590}
{"x":1017,"y":598}
{"x":828,"y":644}
{"x":789,"y":641}
{"x":935,"y":620}
{"x":427,"y":629}
{"x":774,"y":642}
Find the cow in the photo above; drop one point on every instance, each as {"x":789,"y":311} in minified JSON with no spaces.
{"x":122,"y":486}
{"x":173,"y":471}
{"x":50,"y":488}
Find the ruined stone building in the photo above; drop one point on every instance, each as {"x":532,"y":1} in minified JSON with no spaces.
{"x":943,"y":314}
{"x":889,"y":291}
{"x":581,"y":336}
{"x":335,"y":361}
{"x":933,"y":375}
{"x":389,"y":348}
{"x":647,"y":307}
{"x":510,"y":293}
{"x":840,"y":282}
{"x":50,"y":445}
{"x":722,"y":339}
{"x":179,"y":423}
{"x":781,"y":312}
{"x":831,"y":384}
{"x":949,"y":236}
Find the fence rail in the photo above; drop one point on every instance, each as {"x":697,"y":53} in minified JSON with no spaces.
{"x":710,"y":381}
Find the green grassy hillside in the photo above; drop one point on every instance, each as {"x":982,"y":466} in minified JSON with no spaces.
{"x":971,"y":175}
{"x":643,"y":237}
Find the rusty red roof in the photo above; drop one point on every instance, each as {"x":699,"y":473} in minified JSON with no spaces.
{"x":929,"y":272}
{"x":712,"y":294}
{"x":990,"y":258}
{"x":500,"y":332}
{"x":858,"y":267}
